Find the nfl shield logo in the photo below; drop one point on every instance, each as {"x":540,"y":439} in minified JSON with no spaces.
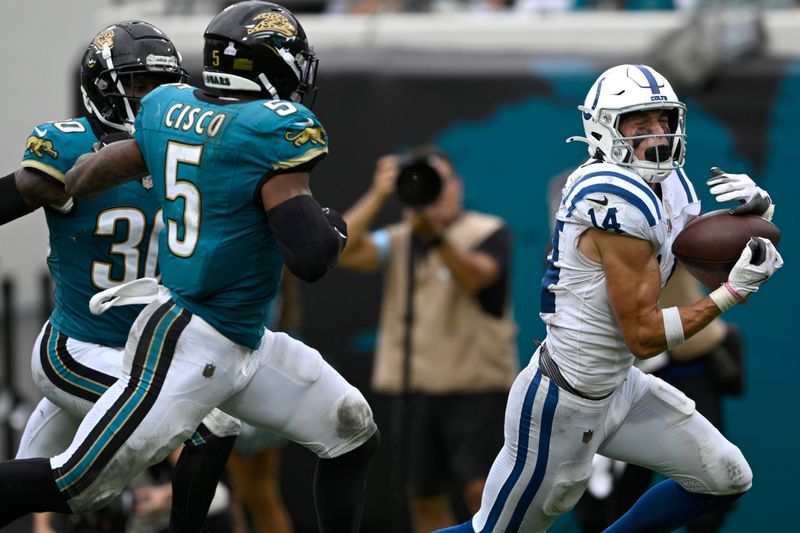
{"x":147,"y":182}
{"x":587,"y":435}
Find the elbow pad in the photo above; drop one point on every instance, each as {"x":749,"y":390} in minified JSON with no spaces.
{"x":12,"y":205}
{"x":309,"y":242}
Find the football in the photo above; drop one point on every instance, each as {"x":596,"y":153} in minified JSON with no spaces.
{"x":711,"y":244}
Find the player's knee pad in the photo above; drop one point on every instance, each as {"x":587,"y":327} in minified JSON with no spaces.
{"x":354,"y":417}
{"x":568,"y":486}
{"x":730,"y":471}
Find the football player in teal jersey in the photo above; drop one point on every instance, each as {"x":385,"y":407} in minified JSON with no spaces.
{"x":231,"y":170}
{"x":100,"y":243}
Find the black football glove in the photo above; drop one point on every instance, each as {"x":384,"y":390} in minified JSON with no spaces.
{"x":338,"y":224}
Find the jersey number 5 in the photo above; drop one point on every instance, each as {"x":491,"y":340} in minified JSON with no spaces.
{"x":186,"y":154}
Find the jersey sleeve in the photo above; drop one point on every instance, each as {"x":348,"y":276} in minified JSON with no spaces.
{"x":53,"y":147}
{"x":613,"y":202}
{"x":295,"y":137}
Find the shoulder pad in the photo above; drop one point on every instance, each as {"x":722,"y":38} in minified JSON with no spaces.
{"x":685,"y":190}
{"x":53,"y":147}
{"x":612,"y":199}
{"x":296,"y":135}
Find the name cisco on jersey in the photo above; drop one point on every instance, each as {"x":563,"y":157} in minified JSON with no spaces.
{"x":187,"y":116}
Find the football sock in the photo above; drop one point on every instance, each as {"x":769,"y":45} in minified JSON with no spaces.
{"x":339,"y":486}
{"x":26,"y":486}
{"x":194,"y":481}
{"x":667,"y":506}
{"x":466,"y":527}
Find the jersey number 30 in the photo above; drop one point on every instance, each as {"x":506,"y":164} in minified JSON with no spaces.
{"x":130,"y":249}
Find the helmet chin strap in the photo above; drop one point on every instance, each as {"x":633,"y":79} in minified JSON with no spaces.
{"x":290,"y":62}
{"x":120,"y":88}
{"x":268,"y":86}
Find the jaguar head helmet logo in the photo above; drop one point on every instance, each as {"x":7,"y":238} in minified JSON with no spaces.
{"x":105,"y":37}
{"x":276,"y":22}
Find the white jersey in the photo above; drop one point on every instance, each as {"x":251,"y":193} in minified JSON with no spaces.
{"x":583,"y":336}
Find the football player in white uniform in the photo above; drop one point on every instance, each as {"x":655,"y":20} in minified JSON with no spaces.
{"x":581,"y":394}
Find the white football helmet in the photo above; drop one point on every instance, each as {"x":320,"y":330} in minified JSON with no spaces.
{"x":624,"y":89}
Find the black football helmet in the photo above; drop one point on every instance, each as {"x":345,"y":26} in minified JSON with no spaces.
{"x":259,"y":46}
{"x":115,"y":56}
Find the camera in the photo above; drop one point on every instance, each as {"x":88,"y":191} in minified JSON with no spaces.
{"x":418,"y":182}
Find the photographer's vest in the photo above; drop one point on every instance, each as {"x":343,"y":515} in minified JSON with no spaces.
{"x":456,"y":346}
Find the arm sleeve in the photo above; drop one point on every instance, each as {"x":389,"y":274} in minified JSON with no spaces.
{"x":12,"y":205}
{"x":308,"y":243}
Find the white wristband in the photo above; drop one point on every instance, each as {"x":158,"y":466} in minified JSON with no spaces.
{"x":673,"y":327}
{"x":725,"y":297}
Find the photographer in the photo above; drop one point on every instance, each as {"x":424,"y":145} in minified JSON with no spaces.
{"x":449,"y":358}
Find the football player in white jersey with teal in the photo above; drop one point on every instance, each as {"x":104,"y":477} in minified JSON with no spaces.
{"x":99,"y":243}
{"x":581,"y":394}
{"x":231,"y":171}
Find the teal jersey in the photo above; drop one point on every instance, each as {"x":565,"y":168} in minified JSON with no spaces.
{"x":99,"y":243}
{"x":208,"y":158}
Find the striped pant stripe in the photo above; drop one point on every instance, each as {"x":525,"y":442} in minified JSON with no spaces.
{"x":526,"y":418}
{"x":542,"y":455}
{"x":149,"y":369}
{"x":66,"y":373}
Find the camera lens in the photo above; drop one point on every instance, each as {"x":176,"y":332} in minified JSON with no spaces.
{"x":418,"y":184}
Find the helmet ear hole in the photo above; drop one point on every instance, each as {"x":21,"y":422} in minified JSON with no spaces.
{"x":597,"y":136}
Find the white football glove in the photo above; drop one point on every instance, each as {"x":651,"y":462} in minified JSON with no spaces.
{"x":732,"y":187}
{"x":758,"y":262}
